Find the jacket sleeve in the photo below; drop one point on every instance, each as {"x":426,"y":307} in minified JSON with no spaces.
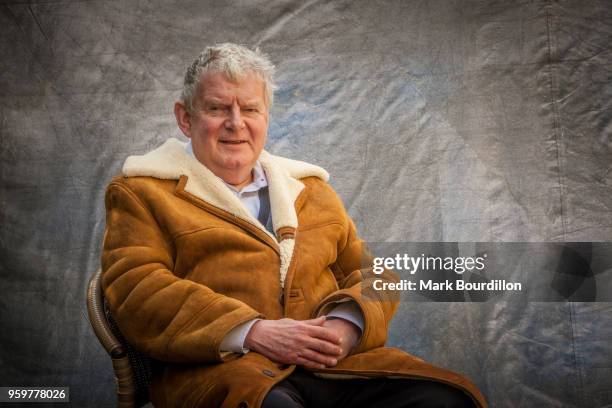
{"x":353,"y":269}
{"x":161,"y":314}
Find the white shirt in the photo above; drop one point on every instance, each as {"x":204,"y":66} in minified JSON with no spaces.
{"x":249,"y":195}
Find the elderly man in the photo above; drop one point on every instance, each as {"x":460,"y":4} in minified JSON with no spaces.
{"x":241,"y":271}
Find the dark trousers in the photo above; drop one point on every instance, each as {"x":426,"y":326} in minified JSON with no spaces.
{"x":302,"y":389}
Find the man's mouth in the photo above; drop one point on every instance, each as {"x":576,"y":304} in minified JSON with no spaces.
{"x":234,"y":142}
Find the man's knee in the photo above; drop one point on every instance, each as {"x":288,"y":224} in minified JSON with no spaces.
{"x":281,"y":397}
{"x":438,"y":395}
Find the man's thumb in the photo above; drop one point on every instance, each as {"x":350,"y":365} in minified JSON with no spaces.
{"x":316,"y":322}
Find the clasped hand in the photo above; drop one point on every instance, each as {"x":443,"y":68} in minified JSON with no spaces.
{"x":315,"y":343}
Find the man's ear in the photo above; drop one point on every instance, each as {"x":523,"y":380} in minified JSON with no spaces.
{"x":183,"y":118}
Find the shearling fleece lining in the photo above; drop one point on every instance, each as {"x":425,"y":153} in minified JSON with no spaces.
{"x":170,"y":161}
{"x":286,"y":253}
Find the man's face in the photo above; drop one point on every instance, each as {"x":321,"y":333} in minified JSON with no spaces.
{"x":228,"y":125}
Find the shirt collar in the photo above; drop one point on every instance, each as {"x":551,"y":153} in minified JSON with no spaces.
{"x":259,"y":175}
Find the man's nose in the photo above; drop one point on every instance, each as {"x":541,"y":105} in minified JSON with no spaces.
{"x":234,"y":121}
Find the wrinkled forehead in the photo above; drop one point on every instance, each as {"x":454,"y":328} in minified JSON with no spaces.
{"x":249,"y":87}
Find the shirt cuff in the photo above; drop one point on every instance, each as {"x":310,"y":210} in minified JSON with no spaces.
{"x":234,"y":339}
{"x":350,"y":311}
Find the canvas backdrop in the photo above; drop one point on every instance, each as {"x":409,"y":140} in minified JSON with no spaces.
{"x":438,"y":120}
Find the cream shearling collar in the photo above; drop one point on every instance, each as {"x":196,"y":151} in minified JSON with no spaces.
{"x":170,"y":161}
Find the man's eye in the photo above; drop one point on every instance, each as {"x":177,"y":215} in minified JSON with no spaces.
{"x":216,"y":109}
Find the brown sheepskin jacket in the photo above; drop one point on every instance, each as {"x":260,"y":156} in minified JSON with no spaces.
{"x":184,"y":262}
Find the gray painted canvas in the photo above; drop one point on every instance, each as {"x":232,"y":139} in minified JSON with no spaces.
{"x":474,"y":120}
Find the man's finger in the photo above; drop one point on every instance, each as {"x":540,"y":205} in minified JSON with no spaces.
{"x":323,"y":333}
{"x":315,"y":322}
{"x":318,"y":358}
{"x":325,"y":347}
{"x":309,"y":364}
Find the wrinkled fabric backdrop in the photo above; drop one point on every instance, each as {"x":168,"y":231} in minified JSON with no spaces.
{"x":438,"y":121}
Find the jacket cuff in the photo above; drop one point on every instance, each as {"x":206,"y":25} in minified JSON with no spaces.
{"x":234,"y":340}
{"x":348,"y":310}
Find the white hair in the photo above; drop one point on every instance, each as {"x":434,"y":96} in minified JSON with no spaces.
{"x":235,"y":61}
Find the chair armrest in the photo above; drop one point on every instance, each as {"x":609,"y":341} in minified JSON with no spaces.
{"x":97,"y":318}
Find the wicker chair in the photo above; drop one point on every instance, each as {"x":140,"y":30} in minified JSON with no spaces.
{"x":133,"y":370}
